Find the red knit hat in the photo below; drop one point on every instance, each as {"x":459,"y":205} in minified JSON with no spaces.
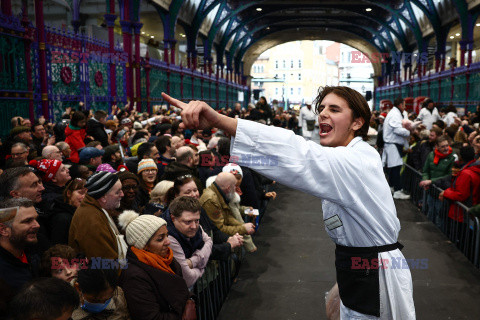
{"x":49,"y":167}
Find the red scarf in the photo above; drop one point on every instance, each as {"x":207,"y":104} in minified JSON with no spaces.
{"x":154,"y":260}
{"x":23,"y":258}
{"x":439,"y":155}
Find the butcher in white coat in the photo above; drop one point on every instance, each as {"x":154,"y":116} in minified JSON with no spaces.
{"x":429,"y":114}
{"x":395,"y":137}
{"x":346,"y":173}
{"x":307,"y":120}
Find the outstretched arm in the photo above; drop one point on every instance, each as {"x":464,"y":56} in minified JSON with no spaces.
{"x":199,"y":115}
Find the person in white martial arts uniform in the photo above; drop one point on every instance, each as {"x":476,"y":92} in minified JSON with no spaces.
{"x":307,"y":120}
{"x":346,"y":173}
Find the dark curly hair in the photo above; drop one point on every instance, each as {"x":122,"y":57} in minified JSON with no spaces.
{"x":356,"y":102}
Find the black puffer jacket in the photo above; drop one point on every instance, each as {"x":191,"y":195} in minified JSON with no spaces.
{"x":14,"y":274}
{"x":152,"y":293}
{"x":97,"y":131}
{"x":59,"y":222}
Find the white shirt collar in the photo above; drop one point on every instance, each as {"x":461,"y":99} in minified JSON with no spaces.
{"x":354,"y":142}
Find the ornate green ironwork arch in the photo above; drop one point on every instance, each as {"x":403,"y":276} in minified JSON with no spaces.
{"x":219,"y":21}
{"x":395,"y":13}
{"x":400,"y":37}
{"x":194,"y":28}
{"x":169,"y":18}
{"x":466,"y":20}
{"x":244,"y":49}
{"x":372,"y":31}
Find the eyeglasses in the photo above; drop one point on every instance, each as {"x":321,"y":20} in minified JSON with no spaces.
{"x":130,"y":187}
{"x":150,"y":170}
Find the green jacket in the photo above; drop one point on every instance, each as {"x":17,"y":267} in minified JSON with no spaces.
{"x":475,"y":210}
{"x":434,"y":172}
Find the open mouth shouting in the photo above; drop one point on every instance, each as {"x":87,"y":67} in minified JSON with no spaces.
{"x":325,"y":129}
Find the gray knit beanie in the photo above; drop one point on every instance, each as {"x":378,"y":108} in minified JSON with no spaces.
{"x":139,"y":228}
{"x":100,"y":183}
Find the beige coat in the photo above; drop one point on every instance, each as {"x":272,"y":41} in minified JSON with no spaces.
{"x":220,"y":213}
{"x":90,"y":232}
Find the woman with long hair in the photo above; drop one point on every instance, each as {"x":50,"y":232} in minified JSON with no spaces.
{"x":147,"y":176}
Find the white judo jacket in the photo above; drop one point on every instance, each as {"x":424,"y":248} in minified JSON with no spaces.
{"x":305,"y":115}
{"x":393,"y":132}
{"x":356,"y":199}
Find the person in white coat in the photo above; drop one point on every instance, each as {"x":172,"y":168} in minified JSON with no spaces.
{"x":307,"y":120}
{"x":451,"y":115}
{"x":429,"y":114}
{"x":395,"y":137}
{"x":346,"y":173}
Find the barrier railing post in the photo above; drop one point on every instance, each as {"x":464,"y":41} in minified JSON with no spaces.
{"x":477,"y":243}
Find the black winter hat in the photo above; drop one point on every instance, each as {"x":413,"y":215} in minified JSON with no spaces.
{"x":100,"y":183}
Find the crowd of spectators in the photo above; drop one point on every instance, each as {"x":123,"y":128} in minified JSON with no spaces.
{"x":444,"y":147}
{"x":116,"y":216}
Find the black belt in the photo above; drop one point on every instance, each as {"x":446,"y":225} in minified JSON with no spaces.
{"x":375,"y":249}
{"x":399,"y":148}
{"x":358,"y":276}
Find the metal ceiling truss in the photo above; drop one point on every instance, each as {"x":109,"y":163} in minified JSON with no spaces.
{"x":393,"y":22}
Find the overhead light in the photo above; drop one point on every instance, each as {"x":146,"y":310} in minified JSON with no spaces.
{"x":183,"y":36}
{"x":452,"y":37}
{"x":457,"y":34}
{"x":268,"y":28}
{"x":478,"y":24}
{"x":259,"y":9}
{"x":152,"y":37}
{"x":368,"y":9}
{"x":143,"y":32}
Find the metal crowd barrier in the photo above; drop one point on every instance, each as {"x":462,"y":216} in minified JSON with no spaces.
{"x":465,"y":234}
{"x":212,"y":288}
